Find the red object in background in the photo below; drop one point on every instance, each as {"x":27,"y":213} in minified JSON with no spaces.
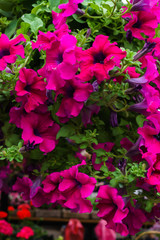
{"x":3,"y":214}
{"x":11,"y":208}
{"x":74,"y":230}
{"x":23,"y":213}
{"x":24,"y":206}
{"x":104,"y":233}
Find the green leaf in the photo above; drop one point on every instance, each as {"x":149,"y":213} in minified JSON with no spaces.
{"x":53,"y":3}
{"x":113,"y":182}
{"x":34,"y":21}
{"x":140,"y":120}
{"x":24,"y":28}
{"x":76,"y":17}
{"x":36,"y":154}
{"x":149,"y":206}
{"x":10,"y":30}
{"x":66,"y":131}
{"x":100,"y":152}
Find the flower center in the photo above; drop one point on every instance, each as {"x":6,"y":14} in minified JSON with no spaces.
{"x":79,"y":185}
{"x":27,"y":88}
{"x":99,"y":58}
{"x":4,"y":52}
{"x":36,"y":132}
{"x":137,"y":24}
{"x":157,"y":136}
{"x":60,"y":58}
{"x":70,"y":91}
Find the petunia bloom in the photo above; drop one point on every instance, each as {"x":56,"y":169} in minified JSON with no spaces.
{"x":151,"y":133}
{"x":50,"y":186}
{"x":99,"y":59}
{"x":9,"y":50}
{"x":143,"y":5}
{"x":75,"y":94}
{"x":134,"y":219}
{"x":70,"y":7}
{"x":60,"y":61}
{"x":31,"y":89}
{"x":76,"y":187}
{"x":40,"y":129}
{"x":140,"y":22}
{"x":111,"y":205}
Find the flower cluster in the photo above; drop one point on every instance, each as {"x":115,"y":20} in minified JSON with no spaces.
{"x":70,"y":188}
{"x":88,"y":111}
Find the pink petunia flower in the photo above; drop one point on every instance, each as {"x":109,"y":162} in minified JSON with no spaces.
{"x":31,"y":191}
{"x":151,"y":133}
{"x":50,"y":186}
{"x":99,"y":59}
{"x":44,"y":41}
{"x":9,"y":50}
{"x":75,"y":94}
{"x":31,"y":89}
{"x":23,"y":186}
{"x":111,"y":206}
{"x":153,"y":172}
{"x":143,"y":5}
{"x":58,"y":20}
{"x":87,"y":112}
{"x":25,"y":232}
{"x":76,"y":187}
{"x":61,"y":57}
{"x":70,"y":7}
{"x":140,"y":22}
{"x":40,"y":129}
{"x":134,"y":219}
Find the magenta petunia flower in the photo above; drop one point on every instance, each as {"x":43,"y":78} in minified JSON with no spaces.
{"x":70,"y":7}
{"x":9,"y":50}
{"x":75,"y":94}
{"x":31,"y":191}
{"x":60,"y":57}
{"x":111,"y":205}
{"x":30,"y":88}
{"x":107,"y":146}
{"x":58,"y":19}
{"x":44,"y":41}
{"x":151,"y":133}
{"x":140,"y":22}
{"x":76,"y":187}
{"x":50,"y":186}
{"x":40,"y":129}
{"x":99,"y":59}
{"x":134,"y":219}
{"x":87,"y":113}
{"x":23,"y":185}
{"x":143,"y":5}
{"x":153,"y":173}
